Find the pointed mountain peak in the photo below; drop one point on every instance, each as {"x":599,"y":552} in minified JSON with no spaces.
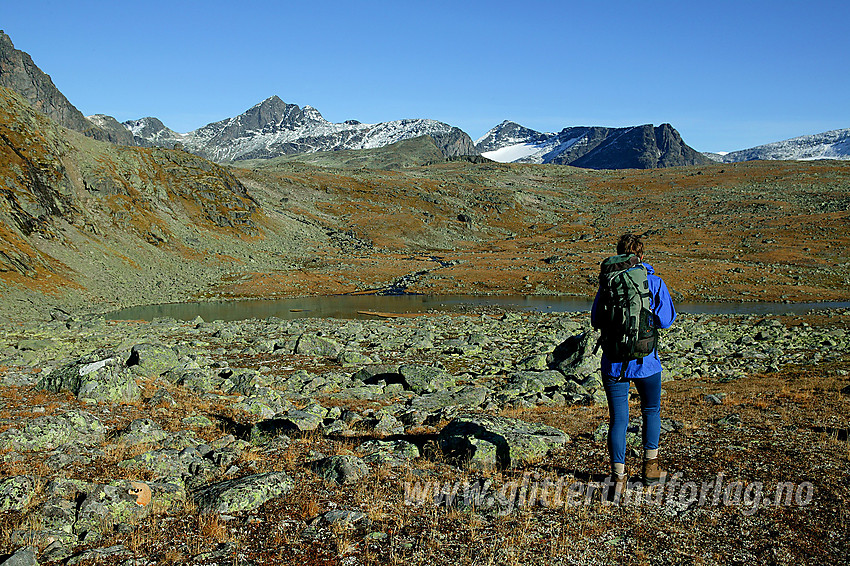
{"x":274,"y":112}
{"x":313,"y":114}
{"x":273,"y":100}
{"x":507,"y":133}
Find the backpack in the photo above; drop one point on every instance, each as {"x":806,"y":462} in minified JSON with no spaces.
{"x":624,"y":315}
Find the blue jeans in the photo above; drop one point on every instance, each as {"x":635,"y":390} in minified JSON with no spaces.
{"x":617,"y":392}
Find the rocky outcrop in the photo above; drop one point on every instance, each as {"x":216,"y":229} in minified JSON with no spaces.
{"x":115,"y":131}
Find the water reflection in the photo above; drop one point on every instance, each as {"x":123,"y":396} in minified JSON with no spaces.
{"x":364,"y":306}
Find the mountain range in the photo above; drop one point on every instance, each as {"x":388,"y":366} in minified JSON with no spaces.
{"x":834,"y":144}
{"x":274,"y":128}
{"x":592,"y":147}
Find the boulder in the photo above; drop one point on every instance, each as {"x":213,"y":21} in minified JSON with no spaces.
{"x":152,"y":360}
{"x":16,"y":493}
{"x":392,"y":453}
{"x":243,"y":494}
{"x":468,"y":397}
{"x":241,"y":381}
{"x":340,"y":469}
{"x":348,"y":518}
{"x":313,"y":345}
{"x":52,"y":431}
{"x":350,"y":358}
{"x":94,"y":377}
{"x":574,"y":356}
{"x":22,"y":557}
{"x":196,"y":380}
{"x":120,"y":502}
{"x":377,"y":373}
{"x":142,"y":431}
{"x":424,"y":379}
{"x":301,"y":421}
{"x":387,"y":424}
{"x":187,"y":465}
{"x":492,"y":442}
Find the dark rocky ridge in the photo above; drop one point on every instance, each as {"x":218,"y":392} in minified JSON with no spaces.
{"x":596,"y":147}
{"x":640,"y":147}
{"x":19,"y":73}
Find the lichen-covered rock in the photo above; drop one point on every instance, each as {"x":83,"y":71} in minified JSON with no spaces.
{"x":188,"y":465}
{"x":16,"y":493}
{"x":487,"y":441}
{"x":312,"y":345}
{"x":536,"y":362}
{"x":341,"y":469}
{"x":388,"y":452}
{"x":468,"y":397}
{"x":152,"y":360}
{"x":425,"y":379}
{"x":386,"y":424}
{"x":196,"y":380}
{"x":243,"y":494}
{"x":302,"y":421}
{"x":242,"y":382}
{"x":575,"y":356}
{"x":350,"y":358}
{"x":52,"y":431}
{"x":94,"y":377}
{"x":142,"y":431}
{"x":107,"y":506}
{"x":22,"y":557}
{"x":363,"y":392}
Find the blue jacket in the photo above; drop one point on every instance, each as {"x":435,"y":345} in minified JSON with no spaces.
{"x":665,"y":314}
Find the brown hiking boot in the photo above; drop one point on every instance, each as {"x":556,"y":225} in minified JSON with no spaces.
{"x":652,"y":473}
{"x":616,"y":488}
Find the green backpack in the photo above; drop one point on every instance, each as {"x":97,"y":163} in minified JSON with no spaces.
{"x":624,"y":315}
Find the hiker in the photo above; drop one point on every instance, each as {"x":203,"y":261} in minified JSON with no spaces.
{"x":641,"y":367}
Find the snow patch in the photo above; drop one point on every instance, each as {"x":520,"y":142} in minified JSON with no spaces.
{"x":513,"y":153}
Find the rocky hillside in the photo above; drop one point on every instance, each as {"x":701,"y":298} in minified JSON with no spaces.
{"x":637,"y":147}
{"x":834,"y":144}
{"x":82,"y":216}
{"x":273,"y":128}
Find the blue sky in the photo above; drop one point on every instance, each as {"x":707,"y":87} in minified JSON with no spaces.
{"x":727,"y":75}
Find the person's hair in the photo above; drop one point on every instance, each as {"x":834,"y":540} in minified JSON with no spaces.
{"x":630,"y":244}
